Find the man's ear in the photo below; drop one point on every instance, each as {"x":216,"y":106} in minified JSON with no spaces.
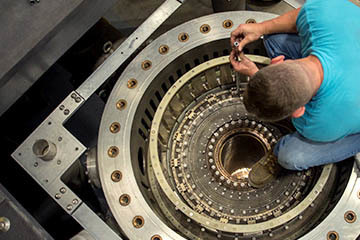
{"x":298,"y":112}
{"x":278,"y":59}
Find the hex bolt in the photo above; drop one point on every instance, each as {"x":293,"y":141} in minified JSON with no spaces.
{"x":69,"y":207}
{"x":58,"y":196}
{"x":75,"y":201}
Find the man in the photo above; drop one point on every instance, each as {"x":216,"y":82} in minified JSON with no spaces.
{"x":320,"y":90}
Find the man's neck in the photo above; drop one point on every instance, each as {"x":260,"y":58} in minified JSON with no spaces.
{"x":314,"y":70}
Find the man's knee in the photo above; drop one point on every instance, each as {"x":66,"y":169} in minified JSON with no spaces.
{"x":292,"y":159}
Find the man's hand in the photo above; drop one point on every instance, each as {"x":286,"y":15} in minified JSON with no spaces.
{"x":246,"y":33}
{"x":245,"y":66}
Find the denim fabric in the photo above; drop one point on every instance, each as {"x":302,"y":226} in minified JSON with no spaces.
{"x":295,"y":152}
{"x":288,"y":45}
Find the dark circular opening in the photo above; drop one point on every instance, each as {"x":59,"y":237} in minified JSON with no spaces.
{"x":125,"y":200}
{"x":116,"y":176}
{"x":350,"y":217}
{"x":239,"y":153}
{"x":156,"y":237}
{"x":333,"y":236}
{"x":138,"y":222}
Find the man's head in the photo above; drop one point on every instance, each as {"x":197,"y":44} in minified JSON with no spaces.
{"x":278,"y":91}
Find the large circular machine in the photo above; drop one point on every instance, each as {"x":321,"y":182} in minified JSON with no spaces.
{"x":176,"y":146}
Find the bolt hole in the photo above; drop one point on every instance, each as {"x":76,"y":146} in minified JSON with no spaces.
{"x":183,"y":37}
{"x":146,"y":65}
{"x":113,"y":151}
{"x":124,"y":200}
{"x":121,"y":104}
{"x":132,"y":83}
{"x":115,"y":127}
{"x":163,"y":49}
{"x":49,"y":123}
{"x":251,"y":20}
{"x":332,"y":235}
{"x":205,"y":28}
{"x":138,"y":221}
{"x":350,"y":217}
{"x":116,"y":176}
{"x":228,"y":24}
{"x":156,"y":237}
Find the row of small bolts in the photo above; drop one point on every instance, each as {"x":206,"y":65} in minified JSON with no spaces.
{"x":58,"y":196}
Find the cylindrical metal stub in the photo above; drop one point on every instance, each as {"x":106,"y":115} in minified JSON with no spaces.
{"x":91,"y":165}
{"x":4,"y":224}
{"x":44,"y":149}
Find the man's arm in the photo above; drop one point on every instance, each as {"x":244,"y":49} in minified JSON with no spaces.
{"x":246,"y":33}
{"x":283,"y":24}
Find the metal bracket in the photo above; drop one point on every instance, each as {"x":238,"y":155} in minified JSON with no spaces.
{"x":47,"y":171}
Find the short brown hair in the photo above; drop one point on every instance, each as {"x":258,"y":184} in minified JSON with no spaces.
{"x":276,"y":91}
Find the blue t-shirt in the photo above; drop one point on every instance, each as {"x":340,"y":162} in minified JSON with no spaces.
{"x":330,"y":30}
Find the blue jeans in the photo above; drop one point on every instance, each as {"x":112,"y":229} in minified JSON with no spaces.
{"x":294,"y":151}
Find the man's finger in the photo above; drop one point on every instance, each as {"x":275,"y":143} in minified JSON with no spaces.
{"x":243,"y":57}
{"x":242,"y":43}
{"x":236,"y":34}
{"x":233,"y":57}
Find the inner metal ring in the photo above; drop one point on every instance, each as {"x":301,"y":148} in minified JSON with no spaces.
{"x":174,"y":198}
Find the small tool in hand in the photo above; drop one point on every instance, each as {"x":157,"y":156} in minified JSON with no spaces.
{"x":237,"y":74}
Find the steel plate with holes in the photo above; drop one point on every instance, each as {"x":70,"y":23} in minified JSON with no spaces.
{"x":178,"y":166}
